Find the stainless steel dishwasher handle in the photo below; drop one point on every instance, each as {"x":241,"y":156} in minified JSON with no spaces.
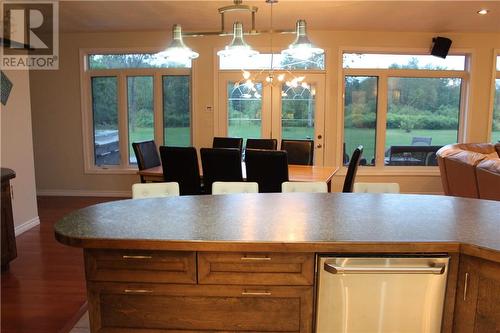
{"x":335,"y":269}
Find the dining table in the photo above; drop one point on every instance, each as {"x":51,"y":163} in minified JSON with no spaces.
{"x":296,"y":173}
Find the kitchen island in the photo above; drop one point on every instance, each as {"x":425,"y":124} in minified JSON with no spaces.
{"x":247,"y":262}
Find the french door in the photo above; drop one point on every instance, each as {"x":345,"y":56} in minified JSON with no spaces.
{"x":286,"y":109}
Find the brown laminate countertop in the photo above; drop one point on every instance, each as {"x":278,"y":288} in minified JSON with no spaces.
{"x":298,"y":222}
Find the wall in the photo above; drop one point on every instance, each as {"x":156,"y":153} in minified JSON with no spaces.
{"x":57,"y":116}
{"x":17,"y":150}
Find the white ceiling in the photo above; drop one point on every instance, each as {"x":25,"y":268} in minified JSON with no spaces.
{"x":424,"y":16}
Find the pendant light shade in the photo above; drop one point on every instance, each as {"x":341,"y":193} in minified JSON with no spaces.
{"x":238,"y":47}
{"x":302,"y":48}
{"x":177,"y":51}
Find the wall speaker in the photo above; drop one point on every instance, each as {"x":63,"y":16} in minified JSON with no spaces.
{"x":440,"y":46}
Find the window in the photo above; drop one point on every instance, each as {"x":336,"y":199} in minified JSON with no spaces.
{"x":133,"y":97}
{"x":495,"y":130}
{"x":263,"y":61}
{"x":401,"y":108}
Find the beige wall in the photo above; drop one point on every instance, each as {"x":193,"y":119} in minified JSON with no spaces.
{"x":17,"y":150}
{"x":57,"y":116}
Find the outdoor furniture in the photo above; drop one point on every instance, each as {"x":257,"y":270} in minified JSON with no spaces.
{"x":376,"y":188}
{"x":155,"y":190}
{"x":299,"y":152}
{"x":412,"y":156}
{"x":269,"y":144}
{"x":316,"y":187}
{"x":352,"y":170}
{"x":234,"y":187}
{"x":220,"y":164}
{"x":180,"y":164}
{"x":146,"y":155}
{"x":268,"y":168}
{"x":421,"y":141}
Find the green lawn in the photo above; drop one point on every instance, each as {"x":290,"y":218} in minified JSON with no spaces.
{"x":395,"y":137}
{"x":180,"y":136}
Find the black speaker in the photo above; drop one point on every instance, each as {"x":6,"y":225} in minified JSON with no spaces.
{"x":440,"y":46}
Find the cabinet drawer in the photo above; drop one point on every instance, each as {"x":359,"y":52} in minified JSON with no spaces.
{"x":256,"y":268}
{"x":129,"y":307}
{"x":141,"y":266}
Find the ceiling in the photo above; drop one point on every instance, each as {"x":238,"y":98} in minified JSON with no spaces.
{"x":422,"y":16}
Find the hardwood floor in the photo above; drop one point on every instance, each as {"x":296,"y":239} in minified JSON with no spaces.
{"x":45,"y":286}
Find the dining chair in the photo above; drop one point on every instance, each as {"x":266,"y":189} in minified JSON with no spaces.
{"x":352,"y":170}
{"x":234,"y":187}
{"x":227,"y":142}
{"x":316,"y":187}
{"x":155,"y":190}
{"x":269,"y":144}
{"x":268,"y":168}
{"x":376,"y":188}
{"x":180,"y":164}
{"x":146,"y":154}
{"x":220,"y":164}
{"x":299,"y":152}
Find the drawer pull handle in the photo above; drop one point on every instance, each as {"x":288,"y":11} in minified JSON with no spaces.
{"x":256,"y":293}
{"x":137,"y":257}
{"x":256,"y":258}
{"x":138,"y":291}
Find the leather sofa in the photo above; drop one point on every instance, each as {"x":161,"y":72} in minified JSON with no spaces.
{"x":470,"y":170}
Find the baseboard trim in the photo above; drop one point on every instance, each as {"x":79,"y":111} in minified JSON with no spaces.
{"x":84,"y":193}
{"x":22,"y":228}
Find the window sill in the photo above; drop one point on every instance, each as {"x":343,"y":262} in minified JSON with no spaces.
{"x":394,"y":171}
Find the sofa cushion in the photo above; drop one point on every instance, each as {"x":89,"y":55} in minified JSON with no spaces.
{"x":488,"y":179}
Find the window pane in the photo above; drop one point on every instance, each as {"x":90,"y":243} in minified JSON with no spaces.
{"x":406,"y":61}
{"x":132,"y":60}
{"x":495,"y":135}
{"x":177,"y":110}
{"x":498,"y":63}
{"x":244,"y":110}
{"x":297,"y":111}
{"x":360,"y":117}
{"x":105,"y":118}
{"x":140,"y":111}
{"x":263,"y":61}
{"x":422,"y":116}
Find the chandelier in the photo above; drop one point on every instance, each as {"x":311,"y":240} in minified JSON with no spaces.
{"x":301,"y":48}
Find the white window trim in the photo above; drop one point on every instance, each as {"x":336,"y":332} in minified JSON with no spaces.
{"x":495,"y":74}
{"x":87,"y":113}
{"x":380,"y":168}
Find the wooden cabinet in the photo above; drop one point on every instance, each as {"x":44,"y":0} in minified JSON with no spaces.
{"x":256,"y":268}
{"x":123,"y":307}
{"x":153,"y":291}
{"x":477,"y":307}
{"x":9,"y":250}
{"x":141,"y":266}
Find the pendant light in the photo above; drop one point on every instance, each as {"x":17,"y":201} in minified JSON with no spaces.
{"x":238,"y":47}
{"x":302,"y":48}
{"x":177,"y":51}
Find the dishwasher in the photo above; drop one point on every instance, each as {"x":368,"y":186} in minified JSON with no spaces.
{"x":389,"y":294}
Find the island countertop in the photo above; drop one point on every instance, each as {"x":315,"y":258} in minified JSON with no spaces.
{"x":299,"y":222}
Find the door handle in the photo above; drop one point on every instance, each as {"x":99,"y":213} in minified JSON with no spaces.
{"x":319,"y":145}
{"x":335,"y":269}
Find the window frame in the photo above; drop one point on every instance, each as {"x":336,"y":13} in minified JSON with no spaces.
{"x":86,"y":74}
{"x":382,"y":106}
{"x":495,"y":75}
